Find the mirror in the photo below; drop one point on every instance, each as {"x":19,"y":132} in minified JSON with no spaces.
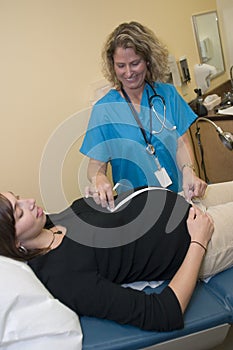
{"x":208,"y":39}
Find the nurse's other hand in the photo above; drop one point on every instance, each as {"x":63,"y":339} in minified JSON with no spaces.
{"x":101,"y":191}
{"x":193,"y":186}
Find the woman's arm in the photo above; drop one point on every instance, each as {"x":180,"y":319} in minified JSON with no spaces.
{"x":193,"y":186}
{"x":101,"y":187}
{"x":200,"y":227}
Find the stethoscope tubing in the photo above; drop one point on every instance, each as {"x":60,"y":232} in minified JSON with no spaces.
{"x":152,"y":108}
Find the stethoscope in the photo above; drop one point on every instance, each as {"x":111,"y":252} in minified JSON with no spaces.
{"x":152,"y":109}
{"x":150,"y":148}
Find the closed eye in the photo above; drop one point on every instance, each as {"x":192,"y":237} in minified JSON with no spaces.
{"x":136,"y":63}
{"x":119,"y":65}
{"x":19,"y":211}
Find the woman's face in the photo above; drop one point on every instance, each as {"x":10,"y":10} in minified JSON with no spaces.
{"x":29,"y":218}
{"x":130,"y":68}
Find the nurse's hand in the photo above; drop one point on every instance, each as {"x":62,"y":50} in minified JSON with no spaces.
{"x":101,"y":191}
{"x":193,"y":186}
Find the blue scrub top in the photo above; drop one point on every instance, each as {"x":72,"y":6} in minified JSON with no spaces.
{"x":114,"y":136}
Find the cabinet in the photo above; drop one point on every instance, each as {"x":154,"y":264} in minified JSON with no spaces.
{"x":215,"y":162}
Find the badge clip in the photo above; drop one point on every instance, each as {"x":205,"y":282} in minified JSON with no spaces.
{"x":150,"y":149}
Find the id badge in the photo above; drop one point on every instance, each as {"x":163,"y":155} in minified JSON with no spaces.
{"x":163,"y":177}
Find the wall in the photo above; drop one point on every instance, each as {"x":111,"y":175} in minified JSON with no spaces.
{"x":225,"y":11}
{"x":49,"y":65}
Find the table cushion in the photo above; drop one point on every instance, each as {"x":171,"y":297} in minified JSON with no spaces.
{"x":221,"y":286}
{"x":204,"y":311}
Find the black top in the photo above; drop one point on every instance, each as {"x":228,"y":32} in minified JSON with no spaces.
{"x":87,"y":277}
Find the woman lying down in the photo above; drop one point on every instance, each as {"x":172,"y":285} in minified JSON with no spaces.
{"x":84,"y":254}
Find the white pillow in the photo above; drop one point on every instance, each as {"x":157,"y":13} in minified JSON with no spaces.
{"x":30,"y":318}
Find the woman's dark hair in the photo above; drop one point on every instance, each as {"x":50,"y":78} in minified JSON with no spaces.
{"x":8,"y":246}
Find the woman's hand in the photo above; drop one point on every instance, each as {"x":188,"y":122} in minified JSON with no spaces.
{"x":200,"y":226}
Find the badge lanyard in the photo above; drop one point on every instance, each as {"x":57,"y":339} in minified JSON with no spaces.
{"x":161,"y":173}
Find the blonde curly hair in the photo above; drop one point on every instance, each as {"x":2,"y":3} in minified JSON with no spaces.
{"x":145,"y":44}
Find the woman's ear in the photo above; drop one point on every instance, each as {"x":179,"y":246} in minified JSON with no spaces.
{"x":17,"y":243}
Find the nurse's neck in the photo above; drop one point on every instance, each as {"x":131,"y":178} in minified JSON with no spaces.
{"x":134,"y":95}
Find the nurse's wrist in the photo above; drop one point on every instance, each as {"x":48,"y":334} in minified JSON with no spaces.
{"x":189,"y":166}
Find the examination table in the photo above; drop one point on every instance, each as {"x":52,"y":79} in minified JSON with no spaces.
{"x":207,"y":321}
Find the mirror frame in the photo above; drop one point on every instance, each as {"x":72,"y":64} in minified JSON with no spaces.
{"x":198,"y":41}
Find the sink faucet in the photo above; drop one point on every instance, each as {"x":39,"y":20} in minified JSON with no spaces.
{"x":228,"y":96}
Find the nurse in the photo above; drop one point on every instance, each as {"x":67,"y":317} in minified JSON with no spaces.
{"x":140,"y":126}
